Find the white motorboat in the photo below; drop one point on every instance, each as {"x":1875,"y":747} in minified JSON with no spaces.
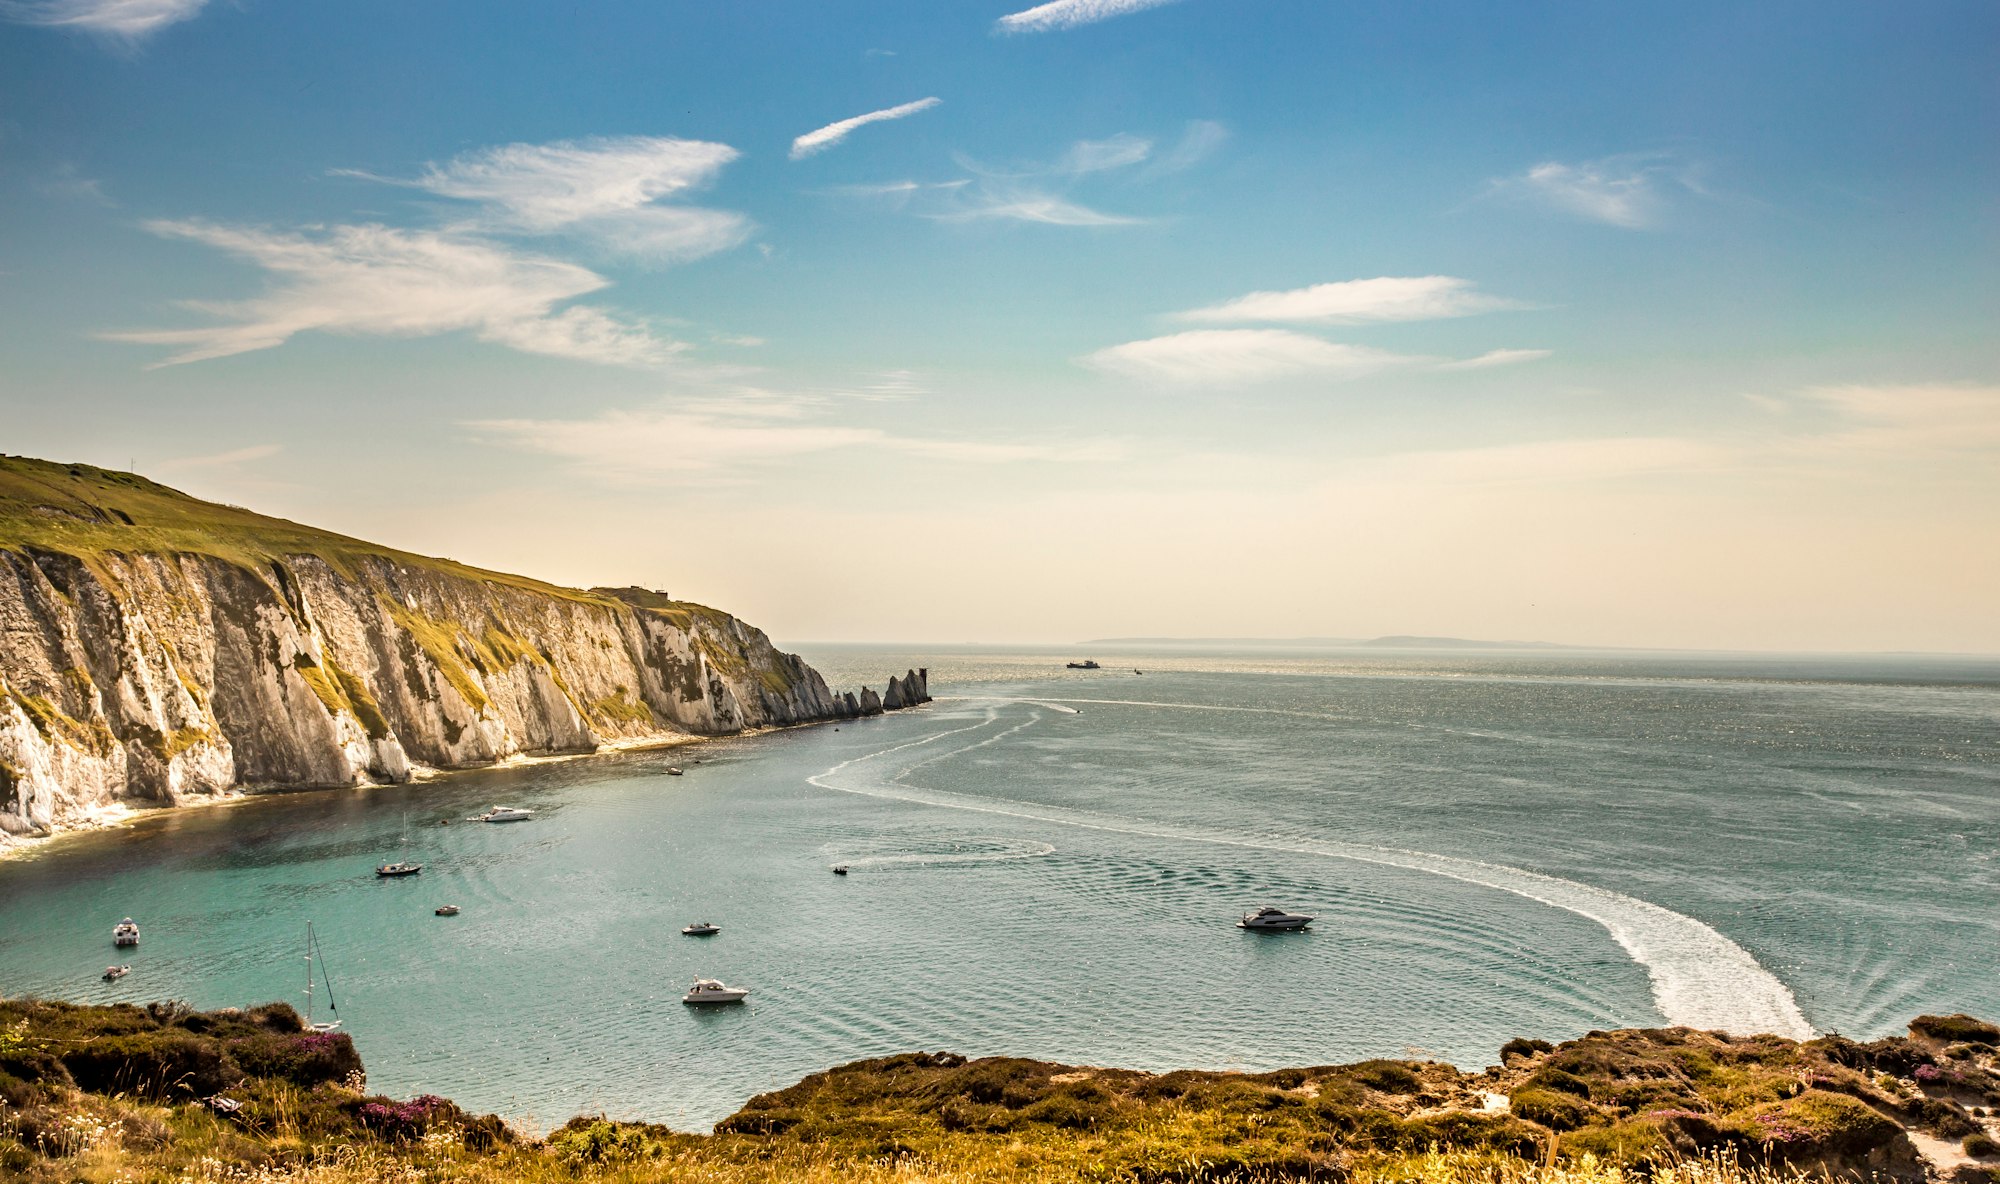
{"x":701,"y":929}
{"x":503,"y":814}
{"x":675,"y":770}
{"x":114,"y":973}
{"x":1274,"y":920}
{"x":125,"y":933}
{"x":710,"y":990}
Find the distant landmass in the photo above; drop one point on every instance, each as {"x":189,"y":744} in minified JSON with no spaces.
{"x":1399,"y":641}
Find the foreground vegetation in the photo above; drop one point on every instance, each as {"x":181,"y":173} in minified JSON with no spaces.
{"x":163,"y":1093}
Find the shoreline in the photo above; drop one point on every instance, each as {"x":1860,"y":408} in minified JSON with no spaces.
{"x":123,"y":814}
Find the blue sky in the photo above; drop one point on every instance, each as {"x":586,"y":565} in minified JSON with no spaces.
{"x":1656,"y":324}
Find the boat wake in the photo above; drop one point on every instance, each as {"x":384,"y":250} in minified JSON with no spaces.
{"x":1699,"y":977}
{"x":975,"y":851}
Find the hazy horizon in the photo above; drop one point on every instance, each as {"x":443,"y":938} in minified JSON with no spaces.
{"x":1669,"y":330}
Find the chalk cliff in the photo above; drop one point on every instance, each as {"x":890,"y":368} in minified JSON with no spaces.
{"x":154,"y":647}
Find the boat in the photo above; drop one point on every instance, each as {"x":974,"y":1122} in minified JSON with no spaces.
{"x":674,"y":770}
{"x":114,"y":973}
{"x":1274,"y":920}
{"x":503,"y":814}
{"x":1086,"y":664}
{"x":710,"y":990}
{"x":399,"y":869}
{"x":839,"y":869}
{"x":701,"y":929}
{"x":446,"y":910}
{"x":125,"y":933}
{"x":312,"y":953}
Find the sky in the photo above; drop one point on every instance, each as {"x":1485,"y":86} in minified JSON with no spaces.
{"x":1650,"y":324}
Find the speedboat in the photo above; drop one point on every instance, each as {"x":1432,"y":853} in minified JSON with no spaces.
{"x":113,"y":973}
{"x":1273,"y":920}
{"x":399,"y":869}
{"x":503,"y":814}
{"x":125,"y":933}
{"x":839,"y":869}
{"x":674,"y":770}
{"x":711,"y":990}
{"x":701,"y":929}
{"x":446,"y":910}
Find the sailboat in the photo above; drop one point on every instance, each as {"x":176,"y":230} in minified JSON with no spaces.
{"x":312,"y":950}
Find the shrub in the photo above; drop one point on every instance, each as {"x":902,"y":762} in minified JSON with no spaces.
{"x":1521,"y":1046}
{"x":404,"y":1121}
{"x":1391,"y":1077}
{"x":1981,"y":1145}
{"x":1815,"y":1123}
{"x":1556,"y":1111}
{"x":1943,"y":1119}
{"x":306,"y":1058}
{"x":160,"y":1064}
{"x":1550,"y":1077}
{"x":1959,"y":1027}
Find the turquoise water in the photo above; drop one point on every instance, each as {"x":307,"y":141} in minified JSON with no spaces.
{"x":1048,"y":863}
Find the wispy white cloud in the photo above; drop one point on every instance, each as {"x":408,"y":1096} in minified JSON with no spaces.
{"x":1497,"y":357}
{"x":1385,"y":298}
{"x":127,"y":20}
{"x":1021,"y":204}
{"x":1096,"y":156}
{"x":1629,"y":191}
{"x":371,"y":280}
{"x":820,"y":139}
{"x":612,"y":191}
{"x":1198,"y":142}
{"x":715,"y":439}
{"x":1235,"y":356}
{"x":67,"y":183}
{"x":1068,"y":14}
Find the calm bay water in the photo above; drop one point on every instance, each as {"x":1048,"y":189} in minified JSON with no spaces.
{"x":1047,"y":863}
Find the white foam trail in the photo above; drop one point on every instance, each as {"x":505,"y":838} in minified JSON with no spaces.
{"x":1003,"y":852}
{"x":1700,"y":978}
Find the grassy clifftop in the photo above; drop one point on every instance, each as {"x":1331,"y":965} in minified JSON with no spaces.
{"x":163,"y":1093}
{"x":85,"y":511}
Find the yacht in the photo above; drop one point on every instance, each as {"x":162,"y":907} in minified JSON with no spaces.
{"x":125,"y":933}
{"x":503,"y":814}
{"x":114,"y":973}
{"x":701,"y":929}
{"x":399,"y":869}
{"x":710,"y":990}
{"x":1274,"y":920}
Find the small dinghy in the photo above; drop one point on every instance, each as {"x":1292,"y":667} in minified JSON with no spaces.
{"x":399,"y":869}
{"x":114,"y":973}
{"x":125,"y":933}
{"x":701,"y":929}
{"x":446,"y":910}
{"x":710,"y":990}
{"x":674,"y":770}
{"x":1274,"y":920}
{"x":839,"y":869}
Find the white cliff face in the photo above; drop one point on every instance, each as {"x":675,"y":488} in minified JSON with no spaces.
{"x":153,"y":678}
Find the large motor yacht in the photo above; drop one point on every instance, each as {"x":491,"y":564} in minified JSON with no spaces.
{"x":1275,"y":920}
{"x":710,"y":990}
{"x":503,"y":814}
{"x":125,"y":933}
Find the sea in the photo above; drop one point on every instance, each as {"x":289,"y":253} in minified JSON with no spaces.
{"x":1051,"y":863}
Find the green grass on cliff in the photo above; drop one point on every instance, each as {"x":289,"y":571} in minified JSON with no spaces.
{"x":89,"y":513}
{"x":90,"y":1095}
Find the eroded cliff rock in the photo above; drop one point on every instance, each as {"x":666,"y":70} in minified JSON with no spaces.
{"x":154,"y":647}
